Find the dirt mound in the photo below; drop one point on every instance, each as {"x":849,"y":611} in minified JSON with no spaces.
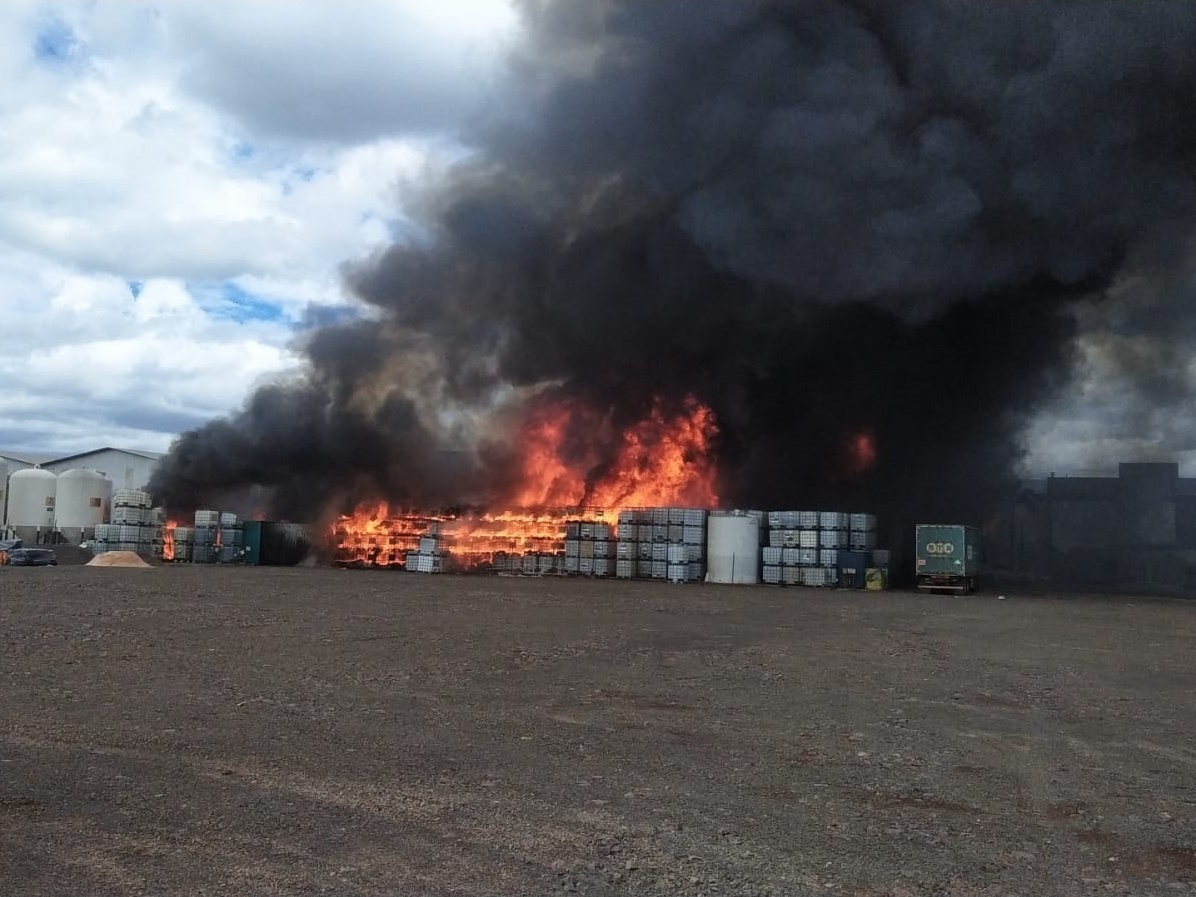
{"x":117,"y":559}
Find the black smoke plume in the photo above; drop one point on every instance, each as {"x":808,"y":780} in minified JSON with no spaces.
{"x":820,"y":218}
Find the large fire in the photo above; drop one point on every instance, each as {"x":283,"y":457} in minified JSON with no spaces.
{"x":664,"y":459}
{"x":168,"y":540}
{"x":658,"y":461}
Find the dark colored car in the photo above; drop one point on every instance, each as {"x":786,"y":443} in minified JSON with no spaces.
{"x":32,"y":557}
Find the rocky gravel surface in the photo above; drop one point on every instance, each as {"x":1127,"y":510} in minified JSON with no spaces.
{"x":195,"y":731}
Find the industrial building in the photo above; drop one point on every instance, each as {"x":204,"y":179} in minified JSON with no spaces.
{"x":53,"y":498}
{"x":126,"y":468}
{"x":1133,"y":531}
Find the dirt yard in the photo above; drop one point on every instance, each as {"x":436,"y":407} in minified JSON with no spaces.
{"x":184,"y":731}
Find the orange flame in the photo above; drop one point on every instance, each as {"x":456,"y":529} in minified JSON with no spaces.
{"x":658,"y":461}
{"x":168,"y":540}
{"x":661,"y":460}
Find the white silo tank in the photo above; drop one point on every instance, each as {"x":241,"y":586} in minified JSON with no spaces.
{"x":82,"y":502}
{"x":733,"y":548}
{"x":31,"y":495}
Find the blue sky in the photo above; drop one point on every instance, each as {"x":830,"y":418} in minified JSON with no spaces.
{"x":182,"y":181}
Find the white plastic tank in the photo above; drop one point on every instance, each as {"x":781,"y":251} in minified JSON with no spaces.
{"x":733,"y":548}
{"x":31,"y":494}
{"x":83,"y":499}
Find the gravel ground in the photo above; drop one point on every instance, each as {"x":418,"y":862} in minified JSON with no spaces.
{"x":249,"y":731}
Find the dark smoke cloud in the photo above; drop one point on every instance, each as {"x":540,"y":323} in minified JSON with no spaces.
{"x":820,"y":218}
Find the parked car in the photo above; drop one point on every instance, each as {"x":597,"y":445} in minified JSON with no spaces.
{"x":32,"y":557}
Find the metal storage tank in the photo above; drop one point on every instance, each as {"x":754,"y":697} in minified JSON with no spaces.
{"x":81,"y":503}
{"x":31,"y":494}
{"x":733,"y":548}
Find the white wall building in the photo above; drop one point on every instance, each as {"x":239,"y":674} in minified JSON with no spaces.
{"x":127,"y":468}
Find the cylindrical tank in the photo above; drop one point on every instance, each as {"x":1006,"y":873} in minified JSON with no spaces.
{"x":82,"y":502}
{"x":31,"y":494}
{"x":733,"y":548}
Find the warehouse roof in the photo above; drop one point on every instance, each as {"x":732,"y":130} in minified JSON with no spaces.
{"x":150,"y":456}
{"x":39,"y":459}
{"x":26,"y":458}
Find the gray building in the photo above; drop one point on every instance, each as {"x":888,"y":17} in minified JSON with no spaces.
{"x":1135,"y":530}
{"x":15,"y":461}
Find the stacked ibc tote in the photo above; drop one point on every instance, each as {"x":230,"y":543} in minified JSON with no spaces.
{"x":649,"y":543}
{"x":589,"y":549}
{"x":216,"y":538}
{"x":429,"y":556}
{"x":662,"y":543}
{"x":820,"y":549}
{"x":135,"y":525}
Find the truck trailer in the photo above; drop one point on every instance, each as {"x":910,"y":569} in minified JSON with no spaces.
{"x":948,"y":557}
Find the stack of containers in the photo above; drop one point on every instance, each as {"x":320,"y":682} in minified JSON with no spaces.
{"x":646,"y":538}
{"x":856,"y":558}
{"x":833,"y":529}
{"x":818,"y":548}
{"x":203,"y":537}
{"x":105,"y":538}
{"x":184,"y":543}
{"x":627,"y":546}
{"x":150,"y":541}
{"x":693,"y":537}
{"x":589,"y":548}
{"x":863,"y":532}
{"x":662,"y":543}
{"x":677,"y":559}
{"x":429,"y":558}
{"x":651,"y":543}
{"x":232,"y":539}
{"x":133,"y":525}
{"x":793,"y":547}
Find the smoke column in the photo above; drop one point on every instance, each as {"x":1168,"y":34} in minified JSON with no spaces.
{"x":828,"y":221}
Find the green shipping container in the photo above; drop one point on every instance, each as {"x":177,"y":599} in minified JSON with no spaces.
{"x":948,"y":557}
{"x":253,"y":542}
{"x":274,"y":544}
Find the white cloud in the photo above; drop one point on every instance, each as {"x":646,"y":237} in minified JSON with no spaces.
{"x":92,"y":359}
{"x":226,"y":156}
{"x":341,"y":71}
